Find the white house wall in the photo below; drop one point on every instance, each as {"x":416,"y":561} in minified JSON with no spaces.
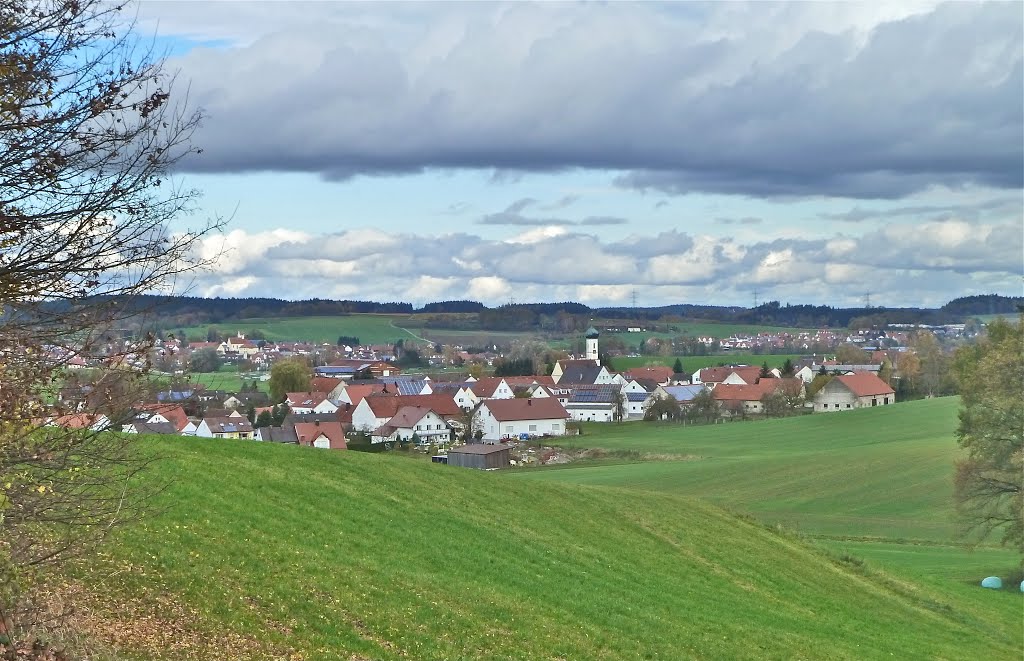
{"x":493,"y":430}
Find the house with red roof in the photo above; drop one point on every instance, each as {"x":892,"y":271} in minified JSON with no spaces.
{"x":328,"y":435}
{"x":333,"y":387}
{"x":491,"y":387}
{"x":309,"y":402}
{"x":374,"y":411}
{"x":415,"y":422}
{"x":660,"y":374}
{"x":498,"y":419}
{"x":734,"y":375}
{"x":742,"y":398}
{"x":853,"y":391}
{"x":172,"y":413}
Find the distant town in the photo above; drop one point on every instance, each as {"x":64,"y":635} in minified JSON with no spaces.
{"x":444,"y":398}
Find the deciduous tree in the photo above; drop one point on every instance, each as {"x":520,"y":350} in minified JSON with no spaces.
{"x":289,"y":375}
{"x":989,"y":485}
{"x":89,"y":130}
{"x":205,"y":360}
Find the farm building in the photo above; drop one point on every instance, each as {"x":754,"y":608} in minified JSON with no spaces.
{"x":479,"y":456}
{"x":853,"y":391}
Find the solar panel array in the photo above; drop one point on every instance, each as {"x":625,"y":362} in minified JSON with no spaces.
{"x":594,"y":394}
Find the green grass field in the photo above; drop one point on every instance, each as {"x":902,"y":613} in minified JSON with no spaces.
{"x":228,"y":381}
{"x":369,"y":328}
{"x":379,"y":557}
{"x":875,"y":484}
{"x":388,"y":328}
{"x":883,"y":472}
{"x":693,"y":363}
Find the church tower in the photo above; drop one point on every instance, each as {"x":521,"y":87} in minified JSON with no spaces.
{"x":592,"y":352}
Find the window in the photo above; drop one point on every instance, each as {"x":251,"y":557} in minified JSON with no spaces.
{"x":555,"y":426}
{"x":837,"y":406}
{"x":874,"y":402}
{"x":508,"y":429}
{"x":847,"y":406}
{"x":533,"y":427}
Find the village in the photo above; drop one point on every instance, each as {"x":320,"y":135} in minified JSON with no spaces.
{"x":357,"y":397}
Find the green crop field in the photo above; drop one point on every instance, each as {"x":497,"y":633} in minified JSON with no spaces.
{"x":693,"y":363}
{"x":883,"y":472}
{"x":369,"y":328}
{"x":228,"y":381}
{"x":380,"y":557}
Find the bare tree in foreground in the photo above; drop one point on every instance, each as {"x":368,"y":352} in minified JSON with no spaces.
{"x":88,"y":135}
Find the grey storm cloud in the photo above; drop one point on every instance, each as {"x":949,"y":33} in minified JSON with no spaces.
{"x":917,"y":101}
{"x":513,"y":216}
{"x":974,"y":210}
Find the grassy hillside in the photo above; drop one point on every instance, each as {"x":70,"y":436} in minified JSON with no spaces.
{"x":354,"y":556}
{"x":875,"y":484}
{"x":873,"y":472}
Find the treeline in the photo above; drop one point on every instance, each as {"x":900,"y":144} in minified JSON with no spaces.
{"x":564,"y":317}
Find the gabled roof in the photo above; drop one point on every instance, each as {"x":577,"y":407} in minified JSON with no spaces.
{"x":478,"y":448}
{"x":356,"y":392}
{"x":865,"y":384}
{"x":284,"y":434}
{"x":174,"y":413}
{"x":542,"y":408}
{"x":407,"y":416}
{"x":324,"y":383}
{"x":684,"y":393}
{"x":736,"y":392}
{"x":79,"y":420}
{"x":566,"y":363}
{"x":402,"y":385}
{"x":305,"y":399}
{"x":142,"y":427}
{"x":595,"y":393}
{"x":658,"y":373}
{"x":754,"y":392}
{"x":580,"y":374}
{"x":308,"y":432}
{"x":228,"y":425}
{"x":486,"y":386}
{"x":748,"y":373}
{"x":386,"y":406}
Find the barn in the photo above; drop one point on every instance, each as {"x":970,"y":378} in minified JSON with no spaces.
{"x":480,"y":456}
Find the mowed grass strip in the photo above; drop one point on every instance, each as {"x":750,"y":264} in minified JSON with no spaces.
{"x":883,"y":472}
{"x":341,"y":555}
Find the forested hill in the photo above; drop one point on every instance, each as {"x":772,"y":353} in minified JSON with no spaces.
{"x":191,"y":310}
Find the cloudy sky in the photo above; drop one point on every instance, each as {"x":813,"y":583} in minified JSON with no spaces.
{"x":698,"y":153}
